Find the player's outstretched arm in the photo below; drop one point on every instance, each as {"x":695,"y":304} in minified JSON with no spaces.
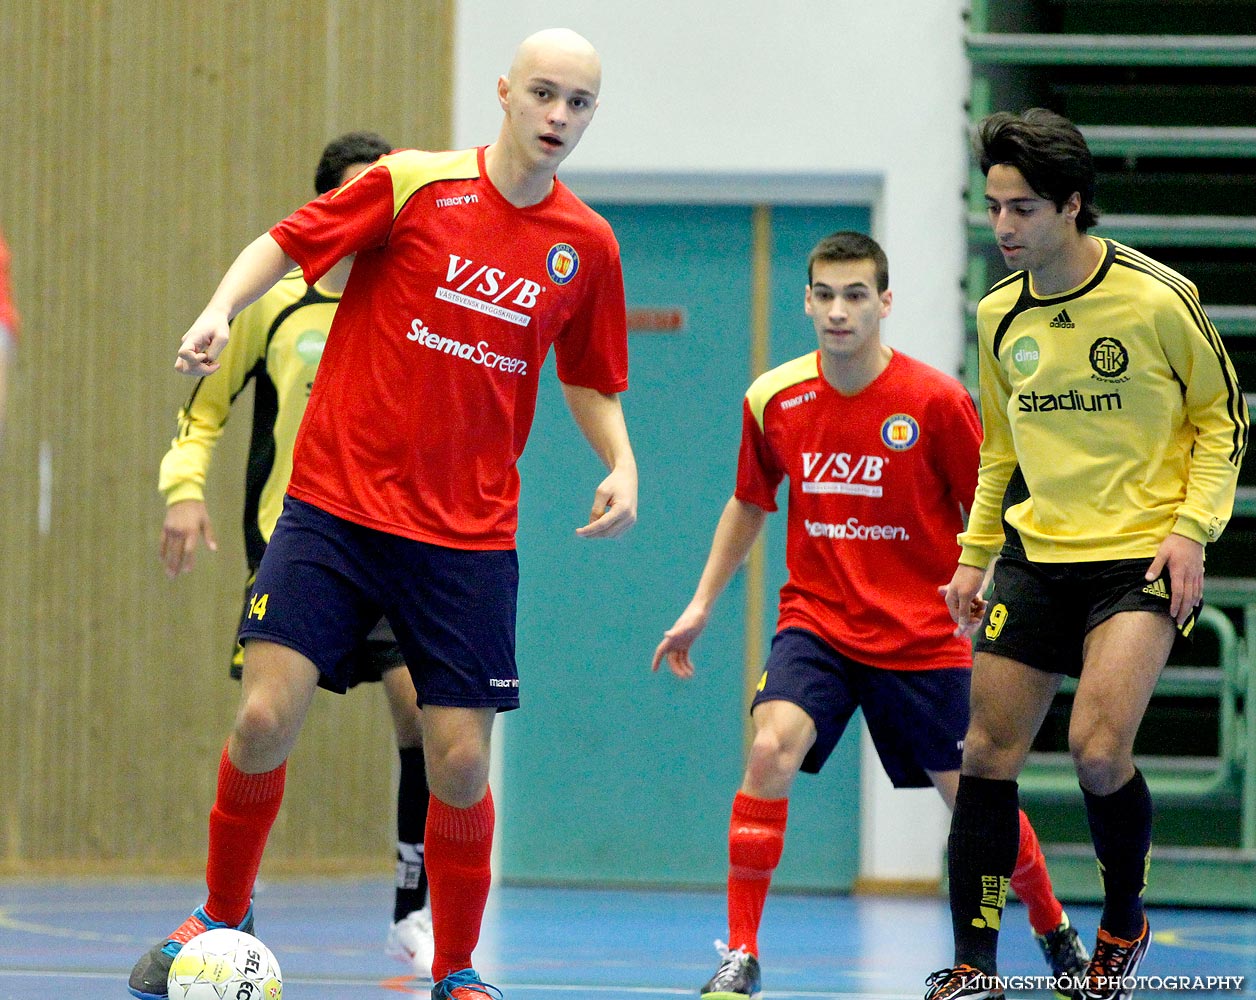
{"x":260,"y":265}
{"x":187,"y":522}
{"x":739,"y":526}
{"x":964,"y":600}
{"x":600,"y":418}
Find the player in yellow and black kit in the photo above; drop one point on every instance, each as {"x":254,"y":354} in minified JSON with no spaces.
{"x":276,"y":343}
{"x":1114,"y":430}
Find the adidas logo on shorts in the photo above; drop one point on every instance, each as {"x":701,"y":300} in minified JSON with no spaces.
{"x":1157,"y":589}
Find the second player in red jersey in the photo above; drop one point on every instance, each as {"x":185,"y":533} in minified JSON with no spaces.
{"x":876,"y":483}
{"x":881,"y":455}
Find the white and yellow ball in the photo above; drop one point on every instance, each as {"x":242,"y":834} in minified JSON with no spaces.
{"x":225,"y":964}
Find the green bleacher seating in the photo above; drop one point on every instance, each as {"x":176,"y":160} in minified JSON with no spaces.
{"x":1168,"y":111}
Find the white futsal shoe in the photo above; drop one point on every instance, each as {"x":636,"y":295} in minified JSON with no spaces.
{"x":410,"y":940}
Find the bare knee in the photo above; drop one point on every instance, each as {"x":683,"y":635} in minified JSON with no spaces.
{"x":992,"y":754}
{"x":773,"y":763}
{"x":1102,"y":760}
{"x":458,"y":772}
{"x":262,"y":735}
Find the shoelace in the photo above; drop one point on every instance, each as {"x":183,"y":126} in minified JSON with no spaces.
{"x":959,"y":974}
{"x":730,"y":964}
{"x":467,"y":979}
{"x":1111,"y":957}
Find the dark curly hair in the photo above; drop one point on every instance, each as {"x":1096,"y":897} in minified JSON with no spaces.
{"x":1048,"y":150}
{"x":352,"y":147}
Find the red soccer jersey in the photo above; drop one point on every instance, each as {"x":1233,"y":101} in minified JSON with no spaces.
{"x":876,"y":482}
{"x":427,"y":386}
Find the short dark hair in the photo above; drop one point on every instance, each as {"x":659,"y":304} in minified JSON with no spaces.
{"x":352,"y":147}
{"x":1048,"y":150}
{"x":848,"y":245}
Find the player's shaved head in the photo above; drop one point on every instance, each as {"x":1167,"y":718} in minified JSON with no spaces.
{"x":553,"y":49}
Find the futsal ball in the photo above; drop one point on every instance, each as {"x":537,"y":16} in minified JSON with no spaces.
{"x":225,"y":964}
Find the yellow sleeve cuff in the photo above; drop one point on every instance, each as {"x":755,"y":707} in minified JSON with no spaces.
{"x":184,"y":491}
{"x":970,"y":555}
{"x":1189,"y":529}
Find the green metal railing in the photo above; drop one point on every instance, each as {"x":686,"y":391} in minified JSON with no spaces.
{"x":1158,"y":230}
{"x":1170,"y":141}
{"x":1111,"y":50}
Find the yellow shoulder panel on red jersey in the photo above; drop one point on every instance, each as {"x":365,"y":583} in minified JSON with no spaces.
{"x":412,"y":169}
{"x":783,"y":376}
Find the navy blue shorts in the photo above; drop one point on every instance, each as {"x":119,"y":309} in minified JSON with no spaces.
{"x":917,"y":718}
{"x":1039,"y":614}
{"x":324,"y":583}
{"x":377,"y":655}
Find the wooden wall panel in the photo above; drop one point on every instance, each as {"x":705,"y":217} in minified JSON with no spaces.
{"x":145,"y":143}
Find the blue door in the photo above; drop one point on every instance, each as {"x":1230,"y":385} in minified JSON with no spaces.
{"x":613,"y":775}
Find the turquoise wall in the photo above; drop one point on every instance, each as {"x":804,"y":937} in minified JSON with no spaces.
{"x":612,"y":774}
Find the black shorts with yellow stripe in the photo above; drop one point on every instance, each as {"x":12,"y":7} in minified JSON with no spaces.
{"x":1039,"y":614}
{"x":378,"y":653}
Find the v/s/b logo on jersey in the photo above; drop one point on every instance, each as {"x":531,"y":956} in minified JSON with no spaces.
{"x":842,"y":472}
{"x":484,"y":288}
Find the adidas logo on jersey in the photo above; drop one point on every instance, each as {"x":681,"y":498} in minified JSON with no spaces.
{"x":1062,"y":322}
{"x":1157,"y":589}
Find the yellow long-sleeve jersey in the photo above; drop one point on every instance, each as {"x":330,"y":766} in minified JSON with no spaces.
{"x":1112,"y":417}
{"x":276,"y":342}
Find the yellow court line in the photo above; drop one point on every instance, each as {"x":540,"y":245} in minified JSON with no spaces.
{"x":1186,"y":938}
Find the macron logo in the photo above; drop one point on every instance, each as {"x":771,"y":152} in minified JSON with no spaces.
{"x":457,"y":200}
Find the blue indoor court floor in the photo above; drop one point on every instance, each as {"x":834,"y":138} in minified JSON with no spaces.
{"x":73,"y":941}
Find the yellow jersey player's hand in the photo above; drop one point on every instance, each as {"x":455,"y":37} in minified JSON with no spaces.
{"x":204,"y":341}
{"x":678,"y":640}
{"x":1185,"y":559}
{"x":187,"y":522}
{"x":963,"y":599}
{"x":614,"y":506}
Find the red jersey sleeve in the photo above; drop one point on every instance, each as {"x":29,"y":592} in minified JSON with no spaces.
{"x":956,"y":452}
{"x":758,"y":471}
{"x":592,"y":349}
{"x":357,"y":216}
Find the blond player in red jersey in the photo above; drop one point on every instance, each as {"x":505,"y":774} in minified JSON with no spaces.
{"x":881,"y":455}
{"x":470,"y":265}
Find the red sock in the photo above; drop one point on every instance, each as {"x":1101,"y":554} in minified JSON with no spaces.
{"x":1033,"y":884}
{"x":457,"y":851}
{"x":239,"y":823}
{"x":756,"y":837}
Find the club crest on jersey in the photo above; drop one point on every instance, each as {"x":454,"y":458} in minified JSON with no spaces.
{"x":562,"y":262}
{"x":900,"y":432}
{"x":1110,"y":360}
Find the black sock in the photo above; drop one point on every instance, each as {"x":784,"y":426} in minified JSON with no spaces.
{"x":981,"y":854}
{"x":412,"y":800}
{"x":1120,"y":826}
